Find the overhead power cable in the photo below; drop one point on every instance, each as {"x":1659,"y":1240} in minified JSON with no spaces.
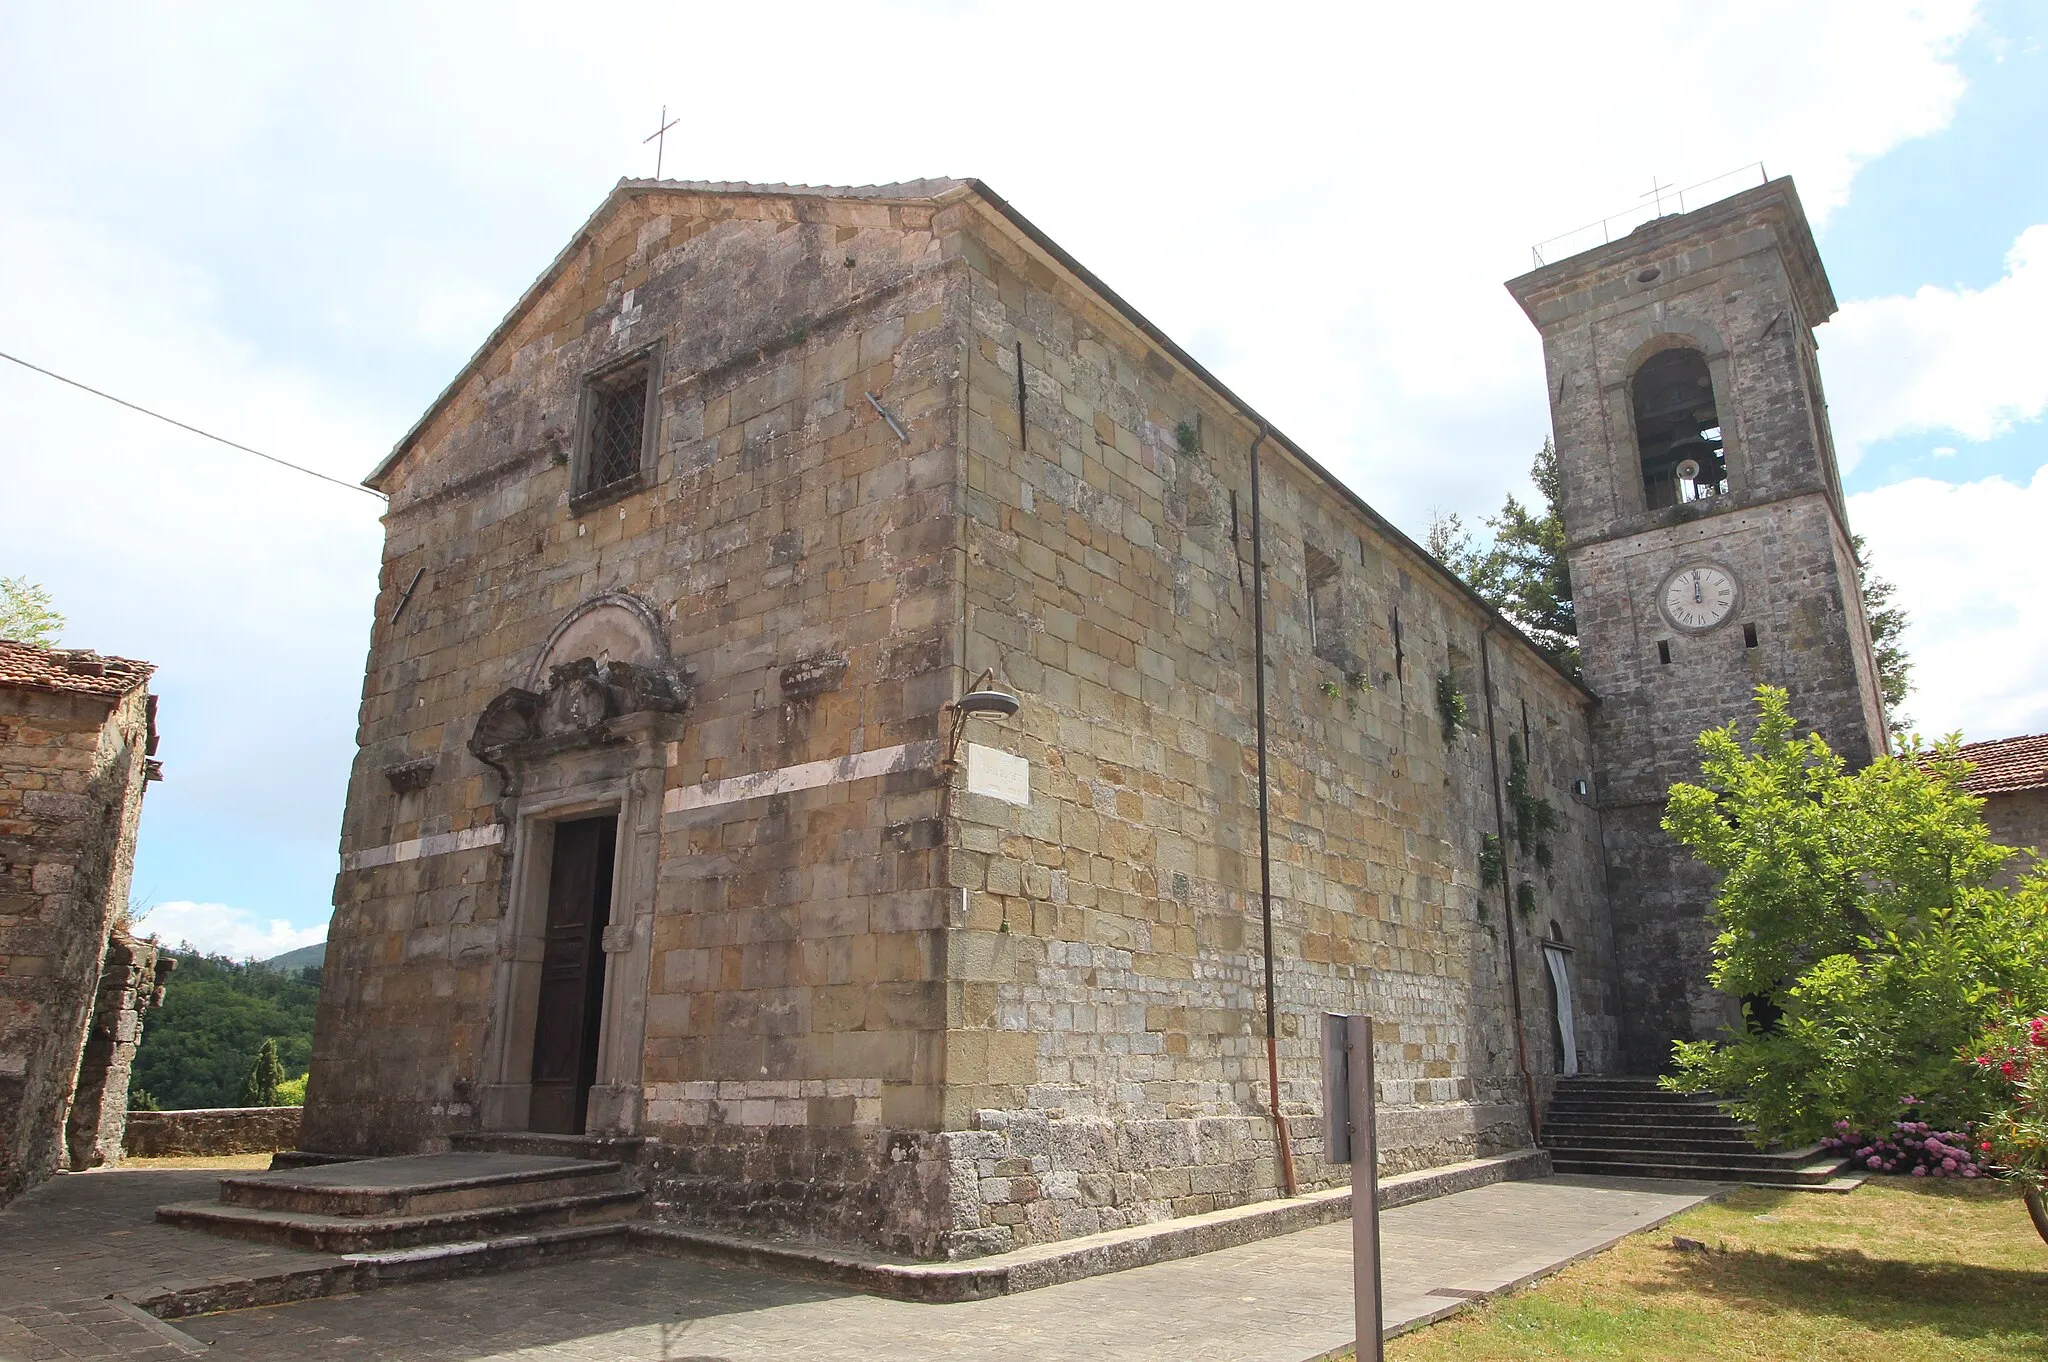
{"x":217,"y":439}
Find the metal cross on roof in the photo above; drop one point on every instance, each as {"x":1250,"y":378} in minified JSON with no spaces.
{"x":660,"y":138}
{"x":1656,"y":192}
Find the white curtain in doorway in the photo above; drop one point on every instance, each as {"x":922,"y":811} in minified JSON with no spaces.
{"x":1560,"y":975}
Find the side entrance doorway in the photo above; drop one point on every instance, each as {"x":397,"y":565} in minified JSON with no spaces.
{"x":570,"y":1010}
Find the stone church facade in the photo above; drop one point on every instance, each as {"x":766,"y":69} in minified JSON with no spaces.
{"x":665,"y":836}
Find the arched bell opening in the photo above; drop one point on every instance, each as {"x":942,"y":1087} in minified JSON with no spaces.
{"x":1678,"y":429}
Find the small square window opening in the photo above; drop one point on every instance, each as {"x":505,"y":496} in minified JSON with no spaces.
{"x":1325,"y":610}
{"x":1664,"y":651}
{"x":1749,"y":636}
{"x":615,"y":420}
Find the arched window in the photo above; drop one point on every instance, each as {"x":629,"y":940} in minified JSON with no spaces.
{"x":1678,"y":430}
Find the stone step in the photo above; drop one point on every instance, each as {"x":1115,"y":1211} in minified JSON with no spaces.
{"x":1725,"y":1158}
{"x":1664,"y":1130}
{"x":367,"y":1234}
{"x":1648,"y":1165}
{"x":364,"y":1205}
{"x":306,"y":1158}
{"x":1636,"y":1139}
{"x":1617,"y":1111}
{"x":623,"y":1149}
{"x":422,"y":1184}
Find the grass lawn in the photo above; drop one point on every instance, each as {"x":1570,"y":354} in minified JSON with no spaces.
{"x":1901,"y":1268}
{"x":225,"y":1161}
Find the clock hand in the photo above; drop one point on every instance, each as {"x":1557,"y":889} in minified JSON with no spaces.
{"x":1698,"y":596}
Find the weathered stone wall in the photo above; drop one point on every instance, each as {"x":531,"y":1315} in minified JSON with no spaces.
{"x":132,"y":978}
{"x":2019,"y":819}
{"x":71,"y":781}
{"x":1106,"y":1017}
{"x":1741,"y":283}
{"x":211,"y":1130}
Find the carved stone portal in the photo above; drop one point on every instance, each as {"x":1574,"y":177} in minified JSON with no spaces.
{"x":578,"y":707}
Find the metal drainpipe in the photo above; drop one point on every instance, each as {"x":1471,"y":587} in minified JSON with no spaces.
{"x":1507,"y":889}
{"x":1265,"y":833}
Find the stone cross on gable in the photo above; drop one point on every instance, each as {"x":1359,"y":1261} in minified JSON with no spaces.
{"x":660,"y":138}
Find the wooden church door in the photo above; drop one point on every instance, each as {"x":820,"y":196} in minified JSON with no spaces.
{"x":571,"y":1008}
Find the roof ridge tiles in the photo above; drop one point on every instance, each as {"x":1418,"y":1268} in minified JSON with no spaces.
{"x":70,"y":671}
{"x":2007,"y":765}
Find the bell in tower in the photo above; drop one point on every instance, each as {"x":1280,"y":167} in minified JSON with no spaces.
{"x":1708,"y":542}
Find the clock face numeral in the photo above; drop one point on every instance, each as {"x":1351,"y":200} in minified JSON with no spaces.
{"x":1699,"y":597}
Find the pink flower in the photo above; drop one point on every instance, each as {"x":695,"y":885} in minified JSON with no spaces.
{"x":1920,"y":1172}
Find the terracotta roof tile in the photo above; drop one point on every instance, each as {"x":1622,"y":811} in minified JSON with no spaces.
{"x":70,"y":671}
{"x":2006,"y":765}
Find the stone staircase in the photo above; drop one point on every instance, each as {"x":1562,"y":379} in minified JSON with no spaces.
{"x":369,"y":1205}
{"x":1629,"y":1127}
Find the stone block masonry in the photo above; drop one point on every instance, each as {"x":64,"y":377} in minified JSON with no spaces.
{"x":76,"y":732}
{"x":211,"y":1130}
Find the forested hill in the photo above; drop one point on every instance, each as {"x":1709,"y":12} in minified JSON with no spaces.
{"x":197,"y":1047}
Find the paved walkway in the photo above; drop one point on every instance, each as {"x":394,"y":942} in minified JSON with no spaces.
{"x":75,"y":1240}
{"x":1285,"y":1299}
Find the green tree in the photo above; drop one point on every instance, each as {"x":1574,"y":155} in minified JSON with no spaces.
{"x":1854,"y":917}
{"x":1887,"y":640}
{"x":259,"y":1089}
{"x":1521,"y":570}
{"x":195,"y":1048}
{"x":25,"y":613}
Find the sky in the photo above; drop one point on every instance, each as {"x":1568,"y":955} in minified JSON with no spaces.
{"x":292,"y":225}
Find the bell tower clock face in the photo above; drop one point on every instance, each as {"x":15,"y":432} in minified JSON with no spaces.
{"x":1699,"y":596}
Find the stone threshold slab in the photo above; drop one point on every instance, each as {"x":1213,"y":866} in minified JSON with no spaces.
{"x":1067,"y":1260}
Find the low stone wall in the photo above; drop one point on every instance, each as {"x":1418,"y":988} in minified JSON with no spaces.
{"x":211,"y":1130}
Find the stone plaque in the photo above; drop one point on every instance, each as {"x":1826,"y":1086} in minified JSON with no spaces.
{"x":813,"y":676}
{"x":997,"y":774}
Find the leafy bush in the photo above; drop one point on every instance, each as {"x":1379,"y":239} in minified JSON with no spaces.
{"x":2014,"y":1053}
{"x":1856,"y":906}
{"x":1913,"y":1148}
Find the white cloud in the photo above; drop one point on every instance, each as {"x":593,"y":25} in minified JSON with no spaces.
{"x":1966,"y":560}
{"x":1969,"y":361}
{"x":217,"y":929}
{"x":293,"y":225}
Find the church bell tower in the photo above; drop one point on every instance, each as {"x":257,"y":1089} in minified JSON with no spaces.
{"x":1708,"y":542}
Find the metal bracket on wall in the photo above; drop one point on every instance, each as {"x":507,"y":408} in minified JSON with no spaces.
{"x":883,"y":412}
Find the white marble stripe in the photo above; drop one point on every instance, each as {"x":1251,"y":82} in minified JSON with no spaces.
{"x":805,"y":776}
{"x":490,"y":834}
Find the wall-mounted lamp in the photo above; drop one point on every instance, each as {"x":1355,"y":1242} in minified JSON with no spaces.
{"x":984,"y":701}
{"x":1581,"y":791}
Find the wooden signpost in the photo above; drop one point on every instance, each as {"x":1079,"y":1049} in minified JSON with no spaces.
{"x":1349,"y":1137}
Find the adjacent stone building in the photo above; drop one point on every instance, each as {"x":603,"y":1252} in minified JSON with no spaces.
{"x":2012,"y":779}
{"x":77,"y":733}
